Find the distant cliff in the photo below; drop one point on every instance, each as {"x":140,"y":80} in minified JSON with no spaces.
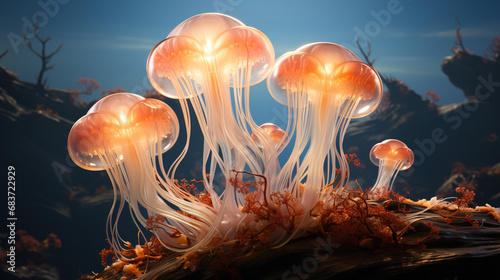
{"x":440,"y":136}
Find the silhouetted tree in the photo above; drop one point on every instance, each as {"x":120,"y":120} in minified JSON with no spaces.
{"x":43,"y":55}
{"x":494,"y":48}
{"x":3,"y":54}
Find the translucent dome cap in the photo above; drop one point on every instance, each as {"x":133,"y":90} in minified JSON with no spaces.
{"x":330,"y":54}
{"x":292,"y":73}
{"x":277,"y":135}
{"x":392,"y":151}
{"x":117,"y":104}
{"x":242,"y":48}
{"x":359,"y":81}
{"x":326,"y":69}
{"x":205,"y":46}
{"x":93,"y":137}
{"x":205,"y":28}
{"x":153,"y":124}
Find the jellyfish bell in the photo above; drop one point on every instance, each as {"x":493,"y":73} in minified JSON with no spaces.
{"x":184,"y":65}
{"x":247,"y":48}
{"x":117,"y":104}
{"x":330,"y":54}
{"x":178,"y":58}
{"x":205,"y":28}
{"x":94,"y":141}
{"x":357,"y":81}
{"x":153,"y":124}
{"x":277,"y":135}
{"x":293,"y":73}
{"x":392,"y":151}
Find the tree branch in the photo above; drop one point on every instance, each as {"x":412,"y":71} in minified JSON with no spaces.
{"x":41,"y":82}
{"x":4,"y":53}
{"x":459,"y":36}
{"x":366,"y":54}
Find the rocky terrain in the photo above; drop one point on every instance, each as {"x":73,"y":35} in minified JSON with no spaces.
{"x":456,"y":144}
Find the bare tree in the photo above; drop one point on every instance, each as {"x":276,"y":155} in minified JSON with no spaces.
{"x":367,"y":54}
{"x":458,"y":42}
{"x":3,"y":54}
{"x":43,"y":55}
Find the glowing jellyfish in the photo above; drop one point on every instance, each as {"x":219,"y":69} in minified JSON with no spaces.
{"x":324,"y":85}
{"x":125,"y":135}
{"x":272,"y":132}
{"x":211,"y":60}
{"x":390,"y":156}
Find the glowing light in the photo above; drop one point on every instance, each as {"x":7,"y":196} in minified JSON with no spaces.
{"x":390,"y":156}
{"x":208,"y":62}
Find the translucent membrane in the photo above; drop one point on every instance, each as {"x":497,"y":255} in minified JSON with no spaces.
{"x":210,"y":61}
{"x":362,"y":82}
{"x":392,"y":150}
{"x":324,"y":85}
{"x":92,"y":137}
{"x":390,"y":156}
{"x":295,"y":72}
{"x":273,"y":132}
{"x":244,"y":48}
{"x":205,"y":28}
{"x":153,"y":122}
{"x":117,"y":104}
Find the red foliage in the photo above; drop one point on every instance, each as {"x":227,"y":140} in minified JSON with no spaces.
{"x":463,"y":213}
{"x":432,"y":96}
{"x":491,"y":138}
{"x":466,"y":197}
{"x":90,"y":85}
{"x":354,"y":159}
{"x":40,"y":108}
{"x":104,"y":255}
{"x":352,"y":220}
{"x":30,"y":251}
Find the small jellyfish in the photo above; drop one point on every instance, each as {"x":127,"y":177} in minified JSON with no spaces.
{"x":277,"y":135}
{"x":390,"y":156}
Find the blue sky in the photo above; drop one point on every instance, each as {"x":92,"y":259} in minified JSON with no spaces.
{"x":110,"y":40}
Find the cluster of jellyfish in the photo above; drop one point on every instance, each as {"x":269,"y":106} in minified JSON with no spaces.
{"x":209,"y":62}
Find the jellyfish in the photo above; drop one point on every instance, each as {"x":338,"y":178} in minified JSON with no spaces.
{"x":391,"y":156}
{"x":126,"y":135}
{"x":274,"y":133}
{"x":324,"y":86}
{"x":211,"y":60}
